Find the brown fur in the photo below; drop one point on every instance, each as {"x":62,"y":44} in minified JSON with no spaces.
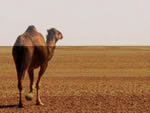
{"x":30,"y":51}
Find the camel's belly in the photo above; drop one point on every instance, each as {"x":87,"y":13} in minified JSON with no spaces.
{"x":37,"y":63}
{"x":39,"y":57}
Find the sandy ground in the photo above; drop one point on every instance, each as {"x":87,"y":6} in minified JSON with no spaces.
{"x":83,"y":80}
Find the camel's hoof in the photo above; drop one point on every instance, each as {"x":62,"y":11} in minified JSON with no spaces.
{"x":39,"y":103}
{"x":20,"y":106}
{"x":29,"y":96}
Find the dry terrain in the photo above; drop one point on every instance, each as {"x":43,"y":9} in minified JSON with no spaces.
{"x":100,"y":79}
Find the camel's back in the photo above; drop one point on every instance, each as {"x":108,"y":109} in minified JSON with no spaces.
{"x":31,"y":37}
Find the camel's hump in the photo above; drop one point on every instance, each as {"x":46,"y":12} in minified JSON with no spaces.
{"x":31,"y":29}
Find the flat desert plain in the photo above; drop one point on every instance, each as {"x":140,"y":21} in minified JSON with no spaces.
{"x":83,"y":79}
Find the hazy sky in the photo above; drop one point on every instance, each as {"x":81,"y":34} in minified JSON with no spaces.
{"x":82,"y":22}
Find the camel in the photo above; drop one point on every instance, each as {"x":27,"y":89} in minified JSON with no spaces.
{"x":30,"y":51}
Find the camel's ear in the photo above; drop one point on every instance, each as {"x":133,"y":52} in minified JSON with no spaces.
{"x":47,"y":30}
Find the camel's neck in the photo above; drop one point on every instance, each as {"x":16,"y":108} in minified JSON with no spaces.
{"x":51,"y":47}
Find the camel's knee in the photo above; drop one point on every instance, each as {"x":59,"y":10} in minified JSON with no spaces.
{"x":38,"y":86}
{"x":32,"y":86}
{"x":20,"y":79}
{"x":20,"y":87}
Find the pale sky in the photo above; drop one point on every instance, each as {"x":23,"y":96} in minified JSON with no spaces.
{"x":82,"y":22}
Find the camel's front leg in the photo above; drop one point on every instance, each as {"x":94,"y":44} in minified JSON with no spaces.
{"x":42,"y":70}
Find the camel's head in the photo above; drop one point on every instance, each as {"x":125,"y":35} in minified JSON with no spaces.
{"x":54,"y":34}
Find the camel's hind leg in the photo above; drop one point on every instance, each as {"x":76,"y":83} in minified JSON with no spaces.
{"x":29,"y":96}
{"x":22,"y":56}
{"x":42,"y":70}
{"x":20,"y":86}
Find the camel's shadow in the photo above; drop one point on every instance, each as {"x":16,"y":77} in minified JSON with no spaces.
{"x":7,"y":106}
